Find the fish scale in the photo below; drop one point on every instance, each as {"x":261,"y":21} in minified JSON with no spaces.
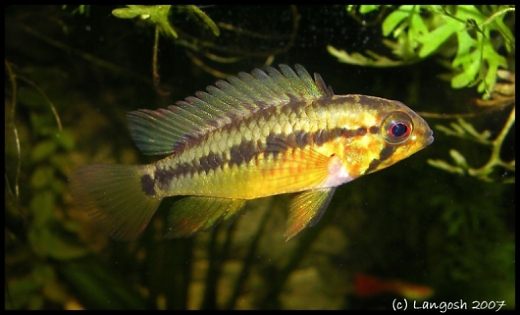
{"x":255,"y":135}
{"x":235,"y":136}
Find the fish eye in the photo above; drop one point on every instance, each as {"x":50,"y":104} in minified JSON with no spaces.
{"x":397,"y":127}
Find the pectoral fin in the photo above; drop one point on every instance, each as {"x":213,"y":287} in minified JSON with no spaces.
{"x":306,"y":209}
{"x":193,"y":214}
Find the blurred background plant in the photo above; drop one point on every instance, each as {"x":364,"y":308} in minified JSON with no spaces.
{"x":71,"y":75}
{"x":204,"y":47}
{"x":475,"y":43}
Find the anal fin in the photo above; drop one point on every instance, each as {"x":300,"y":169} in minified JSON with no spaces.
{"x":306,"y":209}
{"x":193,"y":214}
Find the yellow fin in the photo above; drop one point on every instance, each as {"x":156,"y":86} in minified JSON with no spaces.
{"x":193,"y":214}
{"x":306,"y":209}
{"x":294,"y":168}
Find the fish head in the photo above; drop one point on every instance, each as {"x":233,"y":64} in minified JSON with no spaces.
{"x":381,"y":133}
{"x":397,"y":133}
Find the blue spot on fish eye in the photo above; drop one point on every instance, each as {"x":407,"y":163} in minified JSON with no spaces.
{"x":399,"y":130}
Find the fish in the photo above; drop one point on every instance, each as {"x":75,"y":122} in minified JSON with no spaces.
{"x":366,"y":286}
{"x":253,"y":135}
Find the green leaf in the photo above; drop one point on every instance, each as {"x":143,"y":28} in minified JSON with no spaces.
{"x":364,"y":9}
{"x":458,"y":158}
{"x":65,"y":139}
{"x":460,"y":131}
{"x":42,"y":208}
{"x":48,"y":241}
{"x":43,"y":150}
{"x":130,"y":12}
{"x":43,"y":273}
{"x":433,"y":40}
{"x":42,"y":177}
{"x":157,"y":14}
{"x":417,"y":26}
{"x":494,"y":61}
{"x":472,"y":131}
{"x":395,"y":18}
{"x":443,"y":165}
{"x":21,"y":290}
{"x":206,"y":21}
{"x":359,"y":59}
{"x":460,"y":80}
{"x":465,"y":44}
{"x":505,"y":32}
{"x":471,"y":65}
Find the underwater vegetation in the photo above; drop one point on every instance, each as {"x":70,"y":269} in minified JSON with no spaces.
{"x":475,"y":43}
{"x":424,"y":228}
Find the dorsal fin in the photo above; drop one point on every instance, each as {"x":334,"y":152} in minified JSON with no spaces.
{"x":165,"y":131}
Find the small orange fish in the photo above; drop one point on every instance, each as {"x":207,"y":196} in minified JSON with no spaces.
{"x":252,"y":136}
{"x":367,"y":286}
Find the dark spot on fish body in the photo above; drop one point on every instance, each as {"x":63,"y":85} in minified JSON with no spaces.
{"x":235,"y":156}
{"x":249,"y":150}
{"x":383,"y":155}
{"x":209,"y":162}
{"x":361,"y":131}
{"x":373,"y":129}
{"x":186,"y":169}
{"x":348,"y":133}
{"x":243,"y":153}
{"x":320,"y":137}
{"x":323,"y":136}
{"x":301,"y":138}
{"x":274,"y":144}
{"x":373,"y":165}
{"x":164,"y":177}
{"x":387,"y":152}
{"x":147,"y":185}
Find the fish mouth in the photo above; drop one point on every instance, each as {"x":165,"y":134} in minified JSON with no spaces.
{"x":429,"y":137}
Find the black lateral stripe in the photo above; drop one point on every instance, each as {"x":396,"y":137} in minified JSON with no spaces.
{"x":163,"y":177}
{"x":210,"y":162}
{"x":243,"y":153}
{"x":320,"y":137}
{"x":383,"y":155}
{"x":246,"y":151}
{"x":147,"y":184}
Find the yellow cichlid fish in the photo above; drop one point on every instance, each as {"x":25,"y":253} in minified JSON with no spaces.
{"x":252,"y":136}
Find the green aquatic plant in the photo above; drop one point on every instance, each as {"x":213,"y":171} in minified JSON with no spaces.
{"x":473,"y":41}
{"x":158,"y":16}
{"x":37,"y":148}
{"x":206,"y":47}
{"x":424,"y":30}
{"x":504,"y":95}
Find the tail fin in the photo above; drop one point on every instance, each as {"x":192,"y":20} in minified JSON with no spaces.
{"x":114,"y":196}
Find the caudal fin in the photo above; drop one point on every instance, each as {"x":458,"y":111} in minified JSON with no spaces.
{"x":114,"y":196}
